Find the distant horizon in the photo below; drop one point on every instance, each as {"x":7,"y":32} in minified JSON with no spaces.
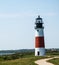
{"x":25,"y":49}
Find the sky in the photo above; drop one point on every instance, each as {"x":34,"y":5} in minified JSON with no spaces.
{"x":17,"y":22}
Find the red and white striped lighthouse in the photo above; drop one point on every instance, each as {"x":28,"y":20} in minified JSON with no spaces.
{"x":39,"y":37}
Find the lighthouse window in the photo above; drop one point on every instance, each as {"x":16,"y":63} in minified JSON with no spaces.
{"x":40,"y":21}
{"x":38,"y":30}
{"x":37,"y":21}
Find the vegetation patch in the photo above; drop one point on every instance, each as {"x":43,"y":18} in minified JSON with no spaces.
{"x":55,"y":61}
{"x":27,"y":58}
{"x":21,"y":61}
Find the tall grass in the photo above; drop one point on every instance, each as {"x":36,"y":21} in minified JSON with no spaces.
{"x":55,"y":61}
{"x":27,"y":58}
{"x":19,"y":59}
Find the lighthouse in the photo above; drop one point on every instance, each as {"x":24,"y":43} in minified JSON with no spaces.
{"x":39,"y":37}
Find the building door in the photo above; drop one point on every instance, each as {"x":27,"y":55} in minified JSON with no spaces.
{"x":38,"y":53}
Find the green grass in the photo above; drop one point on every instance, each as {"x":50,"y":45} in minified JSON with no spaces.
{"x":25,"y":59}
{"x":52,"y":53}
{"x":55,"y":61}
{"x":21,"y":61}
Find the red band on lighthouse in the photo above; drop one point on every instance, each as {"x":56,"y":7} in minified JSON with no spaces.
{"x":39,"y":42}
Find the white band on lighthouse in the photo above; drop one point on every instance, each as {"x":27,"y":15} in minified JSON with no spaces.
{"x":40,"y":51}
{"x":39,"y":32}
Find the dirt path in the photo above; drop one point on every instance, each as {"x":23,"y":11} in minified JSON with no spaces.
{"x":43,"y":62}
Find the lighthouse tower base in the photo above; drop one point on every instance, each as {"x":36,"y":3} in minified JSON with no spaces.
{"x":39,"y":51}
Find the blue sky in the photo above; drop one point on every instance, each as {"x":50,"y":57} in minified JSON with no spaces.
{"x":17,"y":18}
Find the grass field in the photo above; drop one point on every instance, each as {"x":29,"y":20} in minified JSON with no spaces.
{"x":21,"y":61}
{"x":25,"y":59}
{"x":55,"y":61}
